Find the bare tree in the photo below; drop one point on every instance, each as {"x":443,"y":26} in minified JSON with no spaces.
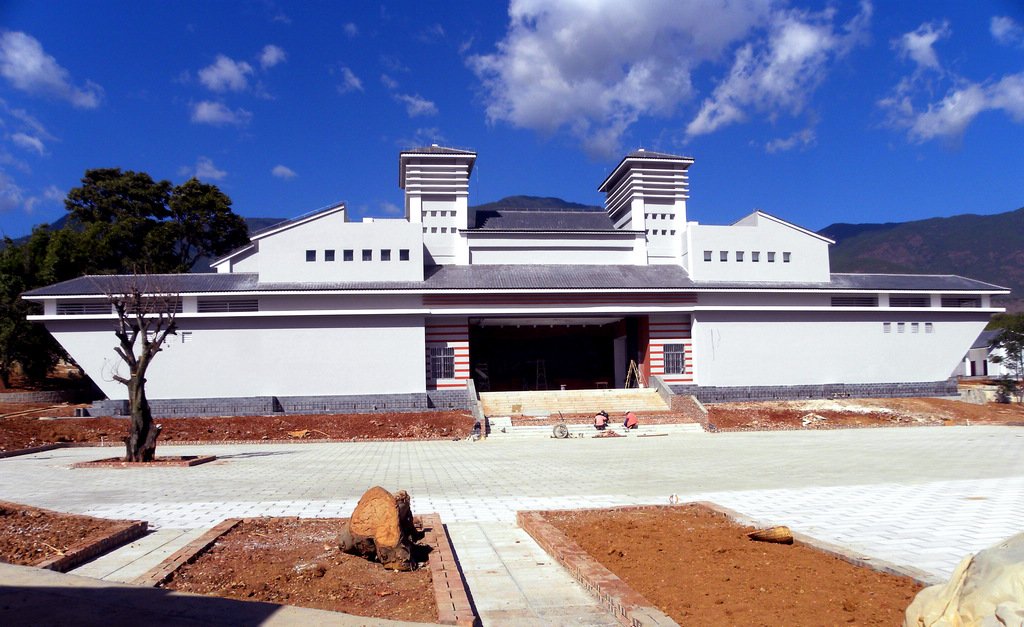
{"x":145,"y":317}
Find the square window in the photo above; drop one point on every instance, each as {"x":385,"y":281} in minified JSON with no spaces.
{"x":672,"y":232}
{"x":723,"y":256}
{"x":914,"y":327}
{"x":328,"y":255}
{"x":886,"y":327}
{"x":347,"y":255}
{"x":403,"y":254}
{"x":771,"y":257}
{"x":785,"y":257}
{"x":442,"y":363}
{"x":433,"y":229}
{"x":367,"y":255}
{"x":433,"y":214}
{"x":444,"y":229}
{"x":901,"y":327}
{"x":739,"y":255}
{"x":385,"y":254}
{"x":675,"y":358}
{"x":707,"y":255}
{"x":310,"y":255}
{"x":928,"y":328}
{"x":755,"y":256}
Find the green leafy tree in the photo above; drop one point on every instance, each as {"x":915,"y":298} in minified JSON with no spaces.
{"x":23,"y":343}
{"x":1010,"y":343}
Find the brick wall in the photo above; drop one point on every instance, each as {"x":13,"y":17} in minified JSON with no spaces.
{"x":713,"y":394}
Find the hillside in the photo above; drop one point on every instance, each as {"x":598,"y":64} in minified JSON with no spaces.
{"x":988,"y":248}
{"x":531,"y":202}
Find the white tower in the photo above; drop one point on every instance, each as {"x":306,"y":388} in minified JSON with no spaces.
{"x":436,"y":184}
{"x":647,"y":192}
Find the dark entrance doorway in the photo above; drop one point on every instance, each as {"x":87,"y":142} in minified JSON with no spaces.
{"x":532,"y":354}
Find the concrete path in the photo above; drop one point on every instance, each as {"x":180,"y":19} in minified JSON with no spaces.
{"x":921,"y":497}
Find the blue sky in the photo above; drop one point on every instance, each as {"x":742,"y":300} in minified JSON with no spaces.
{"x":815,"y":112}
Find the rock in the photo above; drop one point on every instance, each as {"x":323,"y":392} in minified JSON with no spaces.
{"x":381,"y":527}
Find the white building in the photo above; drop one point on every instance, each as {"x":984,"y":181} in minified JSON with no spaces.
{"x":319,"y":313}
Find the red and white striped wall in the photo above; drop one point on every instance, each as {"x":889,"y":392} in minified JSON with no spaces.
{"x":448,"y":333}
{"x":670,"y":329}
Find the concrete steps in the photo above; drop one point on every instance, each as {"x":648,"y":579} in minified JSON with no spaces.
{"x":550,"y":402}
{"x":500,"y":428}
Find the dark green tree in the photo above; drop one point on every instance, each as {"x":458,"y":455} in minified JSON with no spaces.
{"x":1010,"y":343}
{"x":204,"y":225}
{"x":23,"y":343}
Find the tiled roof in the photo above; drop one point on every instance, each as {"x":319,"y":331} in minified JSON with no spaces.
{"x":499,"y":277}
{"x":524,"y":219}
{"x":640,"y":154}
{"x":984,"y":340}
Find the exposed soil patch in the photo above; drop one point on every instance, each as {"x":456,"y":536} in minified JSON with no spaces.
{"x":25,"y":432}
{"x":297,"y":562}
{"x":701,"y":569}
{"x":30,"y":536}
{"x":852,"y":413}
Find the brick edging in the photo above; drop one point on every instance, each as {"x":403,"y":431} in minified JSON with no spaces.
{"x":626,"y":605}
{"x":117,"y":462}
{"x":453,"y":606}
{"x":84,"y":551}
{"x":33,"y":449}
{"x":185,"y":555}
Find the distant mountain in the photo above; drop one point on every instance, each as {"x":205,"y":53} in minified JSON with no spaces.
{"x":532,"y":202}
{"x":988,"y":248}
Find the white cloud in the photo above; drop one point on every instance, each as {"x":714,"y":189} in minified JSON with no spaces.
{"x":28,"y":142}
{"x":593,"y":69}
{"x":422,"y":137}
{"x":388,"y":82}
{"x":271,"y":56}
{"x":392,"y":64}
{"x":416,"y":105}
{"x":218,"y":114}
{"x":431,"y":33}
{"x":205,"y":170}
{"x":779,"y":74}
{"x":281,"y":18}
{"x":918,"y":45}
{"x":390,"y":209}
{"x":350,"y":29}
{"x":28,"y":68}
{"x":283,"y":172}
{"x":949,"y":118}
{"x":349,"y":82}
{"x":11,"y":196}
{"x":1007,"y":32}
{"x":800,"y":139}
{"x":225,"y":74}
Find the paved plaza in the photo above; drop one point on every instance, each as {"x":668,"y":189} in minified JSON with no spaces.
{"x":921,"y":497}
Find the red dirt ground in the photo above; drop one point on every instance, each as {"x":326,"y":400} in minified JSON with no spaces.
{"x":23,"y":432}
{"x":852,"y":413}
{"x":29,"y":535}
{"x":701,"y":569}
{"x":297,"y":562}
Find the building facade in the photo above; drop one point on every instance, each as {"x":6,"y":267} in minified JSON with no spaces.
{"x":322,"y":314}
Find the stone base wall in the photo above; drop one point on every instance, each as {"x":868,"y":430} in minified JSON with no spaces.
{"x":264,"y":405}
{"x":736,"y":394}
{"x":46,"y":396}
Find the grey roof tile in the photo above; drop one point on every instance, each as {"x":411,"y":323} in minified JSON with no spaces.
{"x":543,"y":219}
{"x":500,"y":277}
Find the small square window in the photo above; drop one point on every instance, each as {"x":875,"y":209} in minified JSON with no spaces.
{"x":444,"y":229}
{"x":771,"y":257}
{"x":424,"y":229}
{"x":367,"y":255}
{"x":886,"y":327}
{"x":785,"y":257}
{"x":310,"y":255}
{"x":671,"y":216}
{"x":433,"y":229}
{"x":901,"y":327}
{"x":739,"y":255}
{"x":385,"y":254}
{"x":928,"y":328}
{"x":403,"y":254}
{"x":433,"y":214}
{"x":914,"y":327}
{"x":328,"y":255}
{"x":347,"y":255}
{"x":723,"y":255}
{"x":672,"y":232}
{"x":186,"y":337}
{"x":707,"y":255}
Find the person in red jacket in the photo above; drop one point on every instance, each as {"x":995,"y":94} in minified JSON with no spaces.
{"x":630,"y":422}
{"x":601,"y":420}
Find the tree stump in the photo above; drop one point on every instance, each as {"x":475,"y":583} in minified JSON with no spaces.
{"x":381,"y":527}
